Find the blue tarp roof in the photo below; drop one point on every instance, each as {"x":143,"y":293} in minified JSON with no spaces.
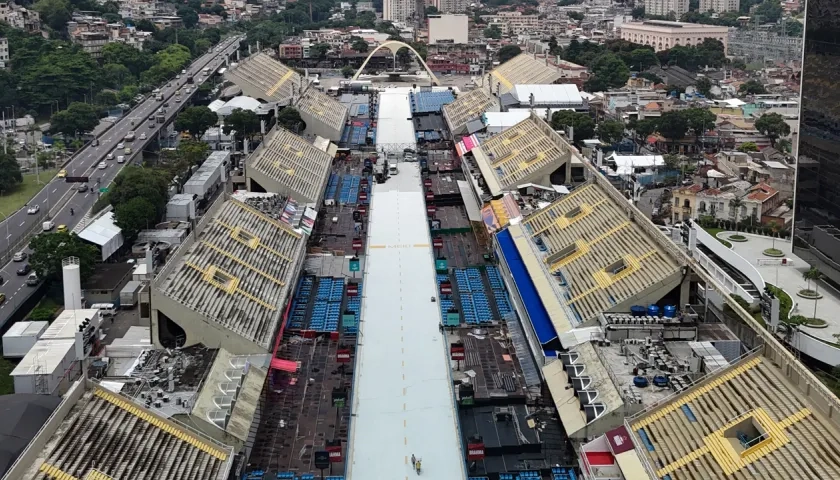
{"x":527,"y":291}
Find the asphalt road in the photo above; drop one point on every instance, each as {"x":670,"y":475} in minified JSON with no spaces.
{"x":58,"y":196}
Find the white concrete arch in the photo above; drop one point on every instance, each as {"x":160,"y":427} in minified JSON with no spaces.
{"x":394,"y":46}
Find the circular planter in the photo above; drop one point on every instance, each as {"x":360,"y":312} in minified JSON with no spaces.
{"x":809,"y":294}
{"x":773,"y":252}
{"x":803,"y":321}
{"x":737,"y":238}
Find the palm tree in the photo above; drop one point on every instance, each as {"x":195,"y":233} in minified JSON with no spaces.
{"x":774,"y":231}
{"x":814,"y":274}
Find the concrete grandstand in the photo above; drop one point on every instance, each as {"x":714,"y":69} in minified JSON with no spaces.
{"x":467,"y":107}
{"x":264,"y":78}
{"x":521,"y":69}
{"x":227,"y":288}
{"x":324,"y":116}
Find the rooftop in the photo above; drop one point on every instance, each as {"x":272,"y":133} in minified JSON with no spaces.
{"x":324,"y":108}
{"x":527,"y":152}
{"x":600,"y":253}
{"x":298,"y":168}
{"x":264,"y":78}
{"x":237,"y":273}
{"x":468,"y":106}
{"x":523,"y":69}
{"x":554,"y":95}
{"x":106,"y":435}
{"x":746,"y":422}
{"x":107,"y":276}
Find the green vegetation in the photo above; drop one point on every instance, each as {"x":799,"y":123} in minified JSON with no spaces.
{"x":493,"y":32}
{"x":507,"y":52}
{"x":139,"y":198}
{"x":785,"y":303}
{"x":7,"y":384}
{"x":752,"y":87}
{"x":772,"y":125}
{"x":48,"y":250}
{"x":773,"y":252}
{"x":805,"y":321}
{"x":737,"y":238}
{"x":808,"y":293}
{"x":45,"y":311}
{"x":714,"y":232}
{"x":583,"y":127}
{"x":674,"y":125}
{"x":195,"y":120}
{"x":21,"y":193}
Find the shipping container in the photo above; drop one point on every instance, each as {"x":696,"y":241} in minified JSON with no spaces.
{"x":130,"y":293}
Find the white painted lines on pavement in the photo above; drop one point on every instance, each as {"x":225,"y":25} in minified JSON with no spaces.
{"x":54,"y":189}
{"x":9,"y":235}
{"x":21,"y":223}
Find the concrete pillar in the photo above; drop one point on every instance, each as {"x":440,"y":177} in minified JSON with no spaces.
{"x":685,"y":290}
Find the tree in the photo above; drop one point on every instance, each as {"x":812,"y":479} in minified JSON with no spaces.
{"x":576,"y":16}
{"x":48,"y":250}
{"x":770,"y":11}
{"x":115,"y":75}
{"x":699,"y":119}
{"x":493,"y":32}
{"x":135,"y":215}
{"x":55,"y":13}
{"x":748,"y":147}
{"x":195,"y":120}
{"x":245,"y":122}
{"x":10,"y":176}
{"x":645,"y":127}
{"x":813,"y":274}
{"x":319,"y":51}
{"x":751,"y":87}
{"x":608,"y":72}
{"x":583,"y":127}
{"x":672,"y":162}
{"x":508,"y":52}
{"x":783,"y":145}
{"x":118,"y":53}
{"x":359,"y":44}
{"x":106,"y":98}
{"x":347,"y":71}
{"x":136,"y":182}
{"x":78,"y":118}
{"x":775,"y":228}
{"x":735,"y":206}
{"x":643,"y":58}
{"x":673,"y":125}
{"x":553,"y":46}
{"x":651,"y":76}
{"x":772,"y":125}
{"x":638,"y":12}
{"x":289,"y":118}
{"x":188,"y":15}
{"x":611,"y":131}
{"x":432,"y":10}
{"x":703,"y":86}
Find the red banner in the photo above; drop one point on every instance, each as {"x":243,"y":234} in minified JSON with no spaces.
{"x":427,"y":183}
{"x":362,"y":196}
{"x":437,"y":242}
{"x":357,"y":244}
{"x":475,"y":451}
{"x":352,"y":290}
{"x":430,"y":196}
{"x":335,"y":454}
{"x":445,"y":288}
{"x":362,"y":209}
{"x":431,"y":209}
{"x":457,"y":352}
{"x":342,"y":356}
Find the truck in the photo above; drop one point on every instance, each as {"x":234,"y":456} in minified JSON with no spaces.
{"x":161,"y":117}
{"x":130,"y":294}
{"x":206,"y":71}
{"x":159,"y":97}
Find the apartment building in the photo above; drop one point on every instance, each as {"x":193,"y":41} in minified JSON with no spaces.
{"x":208,"y":20}
{"x":93,"y":33}
{"x":720,"y":6}
{"x":399,"y":10}
{"x":452,"y":6}
{"x":4,"y":52}
{"x":19,"y":17}
{"x":515,"y":23}
{"x":663,"y":35}
{"x":290,"y":50}
{"x":448,"y":29}
{"x":666,"y":7}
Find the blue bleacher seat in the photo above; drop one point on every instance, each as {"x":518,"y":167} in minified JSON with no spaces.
{"x":354,"y":304}
{"x":502,"y":302}
{"x":562,"y":473}
{"x":286,"y":476}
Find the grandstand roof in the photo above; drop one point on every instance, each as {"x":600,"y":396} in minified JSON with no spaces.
{"x":324,"y":108}
{"x":298,"y":168}
{"x":606,"y":256}
{"x":523,"y":69}
{"x":555,"y":95}
{"x":238,"y":272}
{"x":466,"y":107}
{"x":263,"y":77}
{"x":108,"y":437}
{"x":746,"y":422}
{"x":521,"y":154}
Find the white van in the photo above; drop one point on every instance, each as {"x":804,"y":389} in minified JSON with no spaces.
{"x":392,"y":169}
{"x":105,"y":309}
{"x":48,"y":225}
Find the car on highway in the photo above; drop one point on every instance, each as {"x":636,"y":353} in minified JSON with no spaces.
{"x":120,"y":146}
{"x":34,"y":209}
{"x":127,"y":150}
{"x":61,"y":229}
{"x":32,"y":279}
{"x":2,"y":280}
{"x":82,"y":188}
{"x":110,"y":156}
{"x":2,"y":298}
{"x":48,"y":225}
{"x":183,"y":72}
{"x":121,"y":159}
{"x":177,"y":77}
{"x":178,"y":99}
{"x":102,"y":166}
{"x":24,"y":270}
{"x":19,"y":257}
{"x":61,"y":173}
{"x":143,"y":136}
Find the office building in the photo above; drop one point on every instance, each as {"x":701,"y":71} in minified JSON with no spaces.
{"x":4,"y":53}
{"x":448,"y":29}
{"x":666,"y":7}
{"x":452,"y":6}
{"x":817,"y":200}
{"x":398,"y":10}
{"x":720,"y":6}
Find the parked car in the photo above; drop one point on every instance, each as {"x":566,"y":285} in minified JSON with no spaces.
{"x":19,"y":257}
{"x":24,"y":270}
{"x":34,"y":209}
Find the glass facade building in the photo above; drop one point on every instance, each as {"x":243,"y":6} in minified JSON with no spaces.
{"x":817,"y":201}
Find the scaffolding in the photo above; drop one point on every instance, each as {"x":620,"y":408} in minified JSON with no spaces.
{"x":763,"y":45}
